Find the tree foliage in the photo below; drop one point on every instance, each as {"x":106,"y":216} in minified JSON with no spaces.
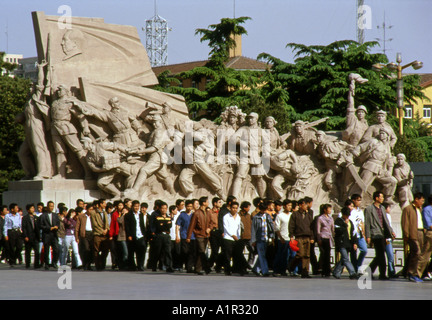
{"x":224,"y":86}
{"x":316,"y":84}
{"x":13,"y":96}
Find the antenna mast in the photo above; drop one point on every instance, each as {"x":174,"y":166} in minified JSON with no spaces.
{"x":157,"y":39}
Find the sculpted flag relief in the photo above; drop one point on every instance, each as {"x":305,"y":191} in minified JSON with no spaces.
{"x":93,"y":115}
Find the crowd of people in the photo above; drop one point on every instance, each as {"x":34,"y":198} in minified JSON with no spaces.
{"x":195,"y":236}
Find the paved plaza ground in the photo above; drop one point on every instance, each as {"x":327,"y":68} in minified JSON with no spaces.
{"x":20,"y":284}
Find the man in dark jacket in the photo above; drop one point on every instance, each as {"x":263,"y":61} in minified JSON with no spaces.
{"x":300,"y":227}
{"x":50,"y":223}
{"x":31,"y":235}
{"x":345,"y":241}
{"x":137,"y":228}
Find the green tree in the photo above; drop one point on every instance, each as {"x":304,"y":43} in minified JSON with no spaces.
{"x":316,"y":84}
{"x":225,"y":86}
{"x":13,"y":96}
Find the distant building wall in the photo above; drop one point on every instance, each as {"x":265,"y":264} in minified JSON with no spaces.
{"x":422,"y":177}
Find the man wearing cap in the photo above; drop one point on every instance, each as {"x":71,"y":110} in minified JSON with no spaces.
{"x":377,"y":165}
{"x":154,"y":165}
{"x":374,"y":130}
{"x":250,"y":139}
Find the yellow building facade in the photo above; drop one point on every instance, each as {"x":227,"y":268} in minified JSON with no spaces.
{"x":422,"y":108}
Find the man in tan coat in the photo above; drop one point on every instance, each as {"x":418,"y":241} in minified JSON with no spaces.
{"x":413,"y":235}
{"x":100,"y":225}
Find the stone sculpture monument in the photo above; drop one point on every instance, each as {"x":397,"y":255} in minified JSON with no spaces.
{"x":96,"y":128}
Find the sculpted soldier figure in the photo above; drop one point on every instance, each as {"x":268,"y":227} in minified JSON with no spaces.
{"x":250,"y":138}
{"x":34,"y":154}
{"x":125,"y":127}
{"x":302,"y":139}
{"x":200,"y":147}
{"x":64,"y":134}
{"x":377,"y":165}
{"x":404,"y":176}
{"x":356,"y":122}
{"x":374,"y":130}
{"x":334,"y":153}
{"x":154,"y":165}
{"x":108,"y":160}
{"x":275,"y":139}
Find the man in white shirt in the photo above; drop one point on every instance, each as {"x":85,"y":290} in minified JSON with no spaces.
{"x":232,"y":230}
{"x":174,"y":213}
{"x":281,"y":228}
{"x":357,"y":218}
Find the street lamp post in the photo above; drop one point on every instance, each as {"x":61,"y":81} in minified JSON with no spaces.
{"x":399,"y":83}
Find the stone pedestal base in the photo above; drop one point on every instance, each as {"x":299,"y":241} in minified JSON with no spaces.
{"x":66,"y":191}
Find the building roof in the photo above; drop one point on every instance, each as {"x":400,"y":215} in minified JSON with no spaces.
{"x":425,"y":79}
{"x":237,"y":63}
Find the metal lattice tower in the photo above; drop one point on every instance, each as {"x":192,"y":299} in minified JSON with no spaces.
{"x":157,"y":40}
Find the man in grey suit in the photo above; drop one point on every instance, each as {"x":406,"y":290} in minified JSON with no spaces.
{"x":377,"y":230}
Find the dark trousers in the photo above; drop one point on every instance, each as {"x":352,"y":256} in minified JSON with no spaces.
{"x":379,"y":260}
{"x":325,"y":254}
{"x":188,"y":253}
{"x":3,"y":249}
{"x":201,"y":259}
{"x":15,"y":245}
{"x":233,"y":251}
{"x":113,"y":251}
{"x":313,"y":259}
{"x":176,"y":254}
{"x":280,"y":264}
{"x":136,"y":252}
{"x":162,"y":250}
{"x":50,"y":241}
{"x":29,"y":246}
{"x":122,"y":254}
{"x":85,"y":248}
{"x":243,"y":264}
{"x":215,"y":244}
{"x":101,"y":250}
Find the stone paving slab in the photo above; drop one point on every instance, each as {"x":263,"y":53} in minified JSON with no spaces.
{"x":22,"y":284}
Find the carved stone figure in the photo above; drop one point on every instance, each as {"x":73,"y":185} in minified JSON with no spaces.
{"x":377,"y":164}
{"x":404,"y":176}
{"x":355,"y":118}
{"x":108,"y":160}
{"x":154,"y":165}
{"x":374,"y":130}
{"x":202,"y":150}
{"x":334,"y":152}
{"x":293,"y":174}
{"x":34,"y":154}
{"x":249,"y":138}
{"x":302,"y":138}
{"x":125,"y":127}
{"x":63,"y":132}
{"x":71,"y":42}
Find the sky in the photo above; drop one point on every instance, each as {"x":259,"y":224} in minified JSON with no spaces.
{"x":273,"y":24}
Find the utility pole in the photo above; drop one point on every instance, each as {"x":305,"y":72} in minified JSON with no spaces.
{"x":360,"y":31}
{"x":384,"y":27}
